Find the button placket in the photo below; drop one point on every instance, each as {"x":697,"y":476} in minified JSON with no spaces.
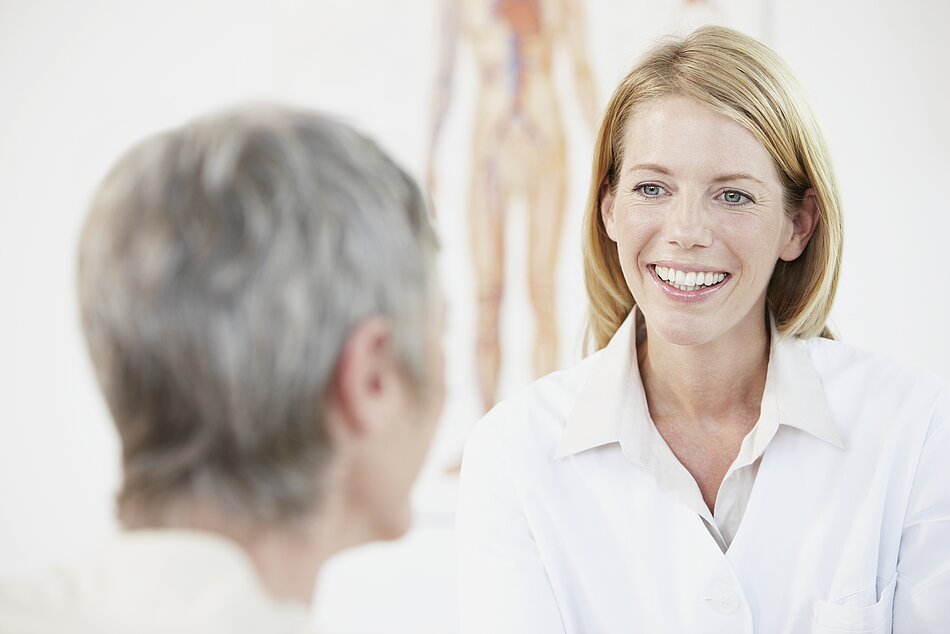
{"x":723,"y":603}
{"x":722,"y":598}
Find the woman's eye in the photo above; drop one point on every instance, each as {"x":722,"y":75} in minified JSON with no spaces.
{"x":735,"y":198}
{"x":650,"y":191}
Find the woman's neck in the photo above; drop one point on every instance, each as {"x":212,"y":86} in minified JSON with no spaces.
{"x":287,"y":557}
{"x":716,"y":383}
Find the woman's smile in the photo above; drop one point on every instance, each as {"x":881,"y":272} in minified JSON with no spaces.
{"x":688,"y":284}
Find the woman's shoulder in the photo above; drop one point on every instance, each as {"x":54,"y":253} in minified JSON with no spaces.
{"x":534,"y":416}
{"x":874,"y":377}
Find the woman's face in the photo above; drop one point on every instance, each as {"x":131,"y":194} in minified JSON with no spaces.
{"x":698,"y":221}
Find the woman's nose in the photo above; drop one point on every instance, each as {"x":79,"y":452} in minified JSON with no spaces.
{"x":687,"y":223}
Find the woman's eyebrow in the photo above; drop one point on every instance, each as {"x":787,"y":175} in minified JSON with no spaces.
{"x":653,"y":167}
{"x":737,"y":176}
{"x":733,"y":176}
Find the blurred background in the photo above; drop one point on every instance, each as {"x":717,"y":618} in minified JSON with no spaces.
{"x":81,"y":81}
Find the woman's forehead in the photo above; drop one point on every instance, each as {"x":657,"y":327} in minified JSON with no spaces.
{"x":679,"y":135}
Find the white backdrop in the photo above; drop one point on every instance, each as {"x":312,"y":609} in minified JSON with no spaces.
{"x":79,"y":82}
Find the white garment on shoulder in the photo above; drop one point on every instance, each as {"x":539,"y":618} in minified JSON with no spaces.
{"x":574,"y":516}
{"x":151,"y":582}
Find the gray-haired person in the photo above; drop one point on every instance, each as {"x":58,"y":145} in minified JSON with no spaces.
{"x":258,"y":296}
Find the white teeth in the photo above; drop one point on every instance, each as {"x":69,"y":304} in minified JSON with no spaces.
{"x":688,"y":281}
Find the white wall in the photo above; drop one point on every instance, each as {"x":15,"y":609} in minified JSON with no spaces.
{"x":879,"y":78}
{"x":80,"y":81}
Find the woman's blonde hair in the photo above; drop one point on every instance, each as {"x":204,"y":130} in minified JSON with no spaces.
{"x":743,"y":79}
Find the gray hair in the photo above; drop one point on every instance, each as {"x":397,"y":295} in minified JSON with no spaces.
{"x":221,"y":268}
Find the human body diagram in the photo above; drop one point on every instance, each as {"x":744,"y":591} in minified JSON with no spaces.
{"x":518,"y":150}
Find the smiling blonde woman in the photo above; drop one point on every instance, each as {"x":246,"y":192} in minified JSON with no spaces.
{"x":720,"y":463}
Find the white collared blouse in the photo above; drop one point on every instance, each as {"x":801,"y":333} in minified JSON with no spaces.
{"x":575,"y":516}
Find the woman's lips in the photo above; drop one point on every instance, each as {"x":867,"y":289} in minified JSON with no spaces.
{"x":688,"y":285}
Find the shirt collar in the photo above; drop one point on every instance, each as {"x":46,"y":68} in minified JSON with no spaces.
{"x":800,"y":396}
{"x":612,"y":405}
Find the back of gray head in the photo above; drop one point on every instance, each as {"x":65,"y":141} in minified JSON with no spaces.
{"x":222,"y":266}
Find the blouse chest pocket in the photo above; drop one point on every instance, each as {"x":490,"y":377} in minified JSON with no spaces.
{"x":832,"y":618}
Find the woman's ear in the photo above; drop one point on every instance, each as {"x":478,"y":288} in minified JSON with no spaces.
{"x":607,"y":209}
{"x":365,"y":376}
{"x":803,"y":226}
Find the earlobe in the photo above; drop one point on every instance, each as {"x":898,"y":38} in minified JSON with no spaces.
{"x":607,"y":209}
{"x":803,"y":226}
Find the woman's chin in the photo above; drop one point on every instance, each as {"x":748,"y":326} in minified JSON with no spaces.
{"x":678,"y":330}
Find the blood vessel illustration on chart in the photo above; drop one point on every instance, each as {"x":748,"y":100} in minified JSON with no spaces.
{"x":517,"y":152}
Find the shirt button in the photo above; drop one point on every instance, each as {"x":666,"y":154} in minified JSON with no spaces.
{"x":723,"y":602}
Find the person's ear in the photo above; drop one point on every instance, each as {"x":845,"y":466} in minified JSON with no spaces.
{"x":803,"y":226}
{"x":365,"y":377}
{"x":606,"y":201}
